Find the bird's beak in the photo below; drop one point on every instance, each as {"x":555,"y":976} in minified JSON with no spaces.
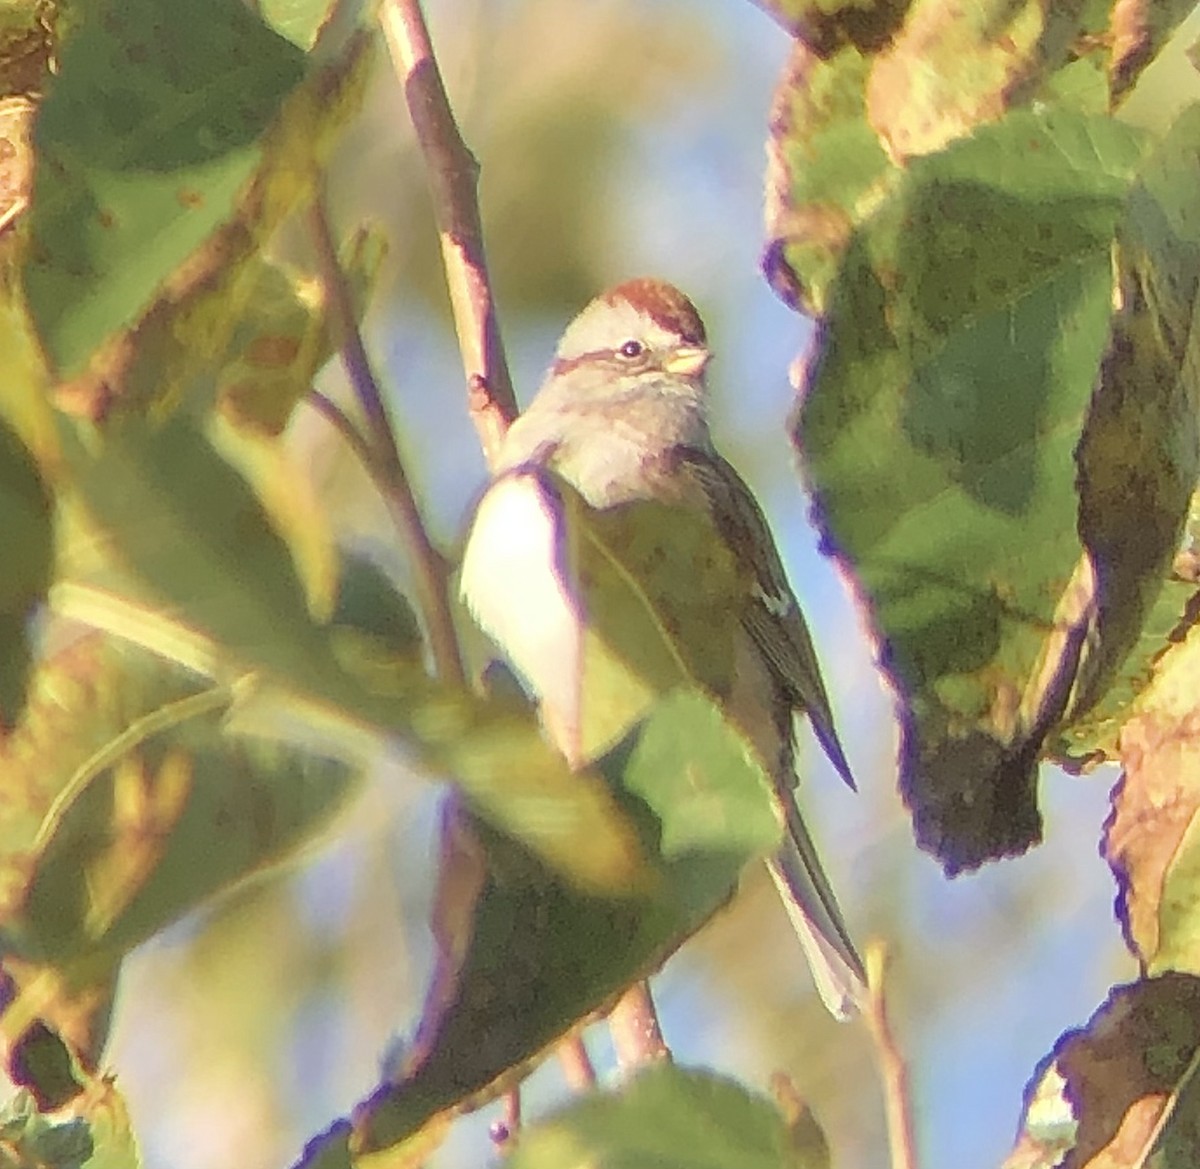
{"x":687,"y":360}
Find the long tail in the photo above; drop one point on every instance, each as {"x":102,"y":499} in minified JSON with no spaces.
{"x":808,"y":898}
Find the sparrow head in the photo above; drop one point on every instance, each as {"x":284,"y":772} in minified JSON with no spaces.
{"x":642,"y":332}
{"x":627,"y":383}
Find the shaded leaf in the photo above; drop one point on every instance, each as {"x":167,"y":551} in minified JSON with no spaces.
{"x":184,"y":521}
{"x":526,"y":957}
{"x":31,"y":1141}
{"x":94,"y":1132}
{"x":668,"y":1117}
{"x":825,"y":25}
{"x":51,"y":1009}
{"x":955,"y":372}
{"x":1151,"y":838}
{"x":27,"y":524}
{"x":1099,"y":1096}
{"x":1139,"y":456}
{"x":41,"y":1062}
{"x":369,"y":604}
{"x":1138,"y":29}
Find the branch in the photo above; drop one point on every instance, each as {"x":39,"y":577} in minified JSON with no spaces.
{"x":351,"y":435}
{"x":636,"y":1035}
{"x":892,"y":1069}
{"x":429,"y":567}
{"x":577,"y":1066}
{"x":453,"y":176}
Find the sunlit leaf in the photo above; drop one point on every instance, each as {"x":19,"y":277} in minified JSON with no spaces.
{"x":191,"y":530}
{"x":955,"y":373}
{"x":952,"y":68}
{"x":827,"y":170}
{"x":668,"y":1117}
{"x":1139,"y":30}
{"x":283,"y":338}
{"x":146,"y":139}
{"x":146,"y":246}
{"x":1152,"y":838}
{"x":143,"y":782}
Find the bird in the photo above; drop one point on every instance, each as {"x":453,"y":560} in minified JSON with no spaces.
{"x":622,"y":417}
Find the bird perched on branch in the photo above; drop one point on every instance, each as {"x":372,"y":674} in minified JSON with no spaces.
{"x":622,"y":417}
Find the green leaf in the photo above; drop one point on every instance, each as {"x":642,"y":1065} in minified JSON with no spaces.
{"x":369,"y":604}
{"x":33,"y":1142}
{"x":298,"y":20}
{"x":283,"y":338}
{"x":827,"y":171}
{"x":938,"y":432}
{"x":1139,"y":456}
{"x":27,"y":524}
{"x":1152,"y":838}
{"x":953,"y":68}
{"x":143,"y":781}
{"x":94,"y":1133}
{"x":530,"y":957}
{"x":865,"y":91}
{"x":27,"y":460}
{"x":192,"y":531}
{"x":668,"y":1117}
{"x":150,"y":132}
{"x":184,"y":521}
{"x":656,"y":579}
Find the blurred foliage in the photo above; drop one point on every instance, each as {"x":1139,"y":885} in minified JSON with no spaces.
{"x":999,"y":426}
{"x":671,"y":1117}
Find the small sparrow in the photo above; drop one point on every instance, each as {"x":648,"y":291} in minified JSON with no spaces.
{"x":622,"y":416}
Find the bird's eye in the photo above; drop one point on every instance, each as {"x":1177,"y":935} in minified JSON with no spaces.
{"x":631,"y":349}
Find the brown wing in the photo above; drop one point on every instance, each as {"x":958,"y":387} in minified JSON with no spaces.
{"x":770,"y":613}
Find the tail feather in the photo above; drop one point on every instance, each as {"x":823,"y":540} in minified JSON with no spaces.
{"x":813,"y":911}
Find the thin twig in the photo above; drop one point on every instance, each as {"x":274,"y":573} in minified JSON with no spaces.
{"x":429,"y":566}
{"x":353,"y":437}
{"x":504,"y":1132}
{"x":453,"y":176}
{"x":893,"y":1071}
{"x":577,"y":1066}
{"x":637,"y":1037}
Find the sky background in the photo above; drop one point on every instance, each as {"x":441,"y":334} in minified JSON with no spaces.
{"x":616,"y":139}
